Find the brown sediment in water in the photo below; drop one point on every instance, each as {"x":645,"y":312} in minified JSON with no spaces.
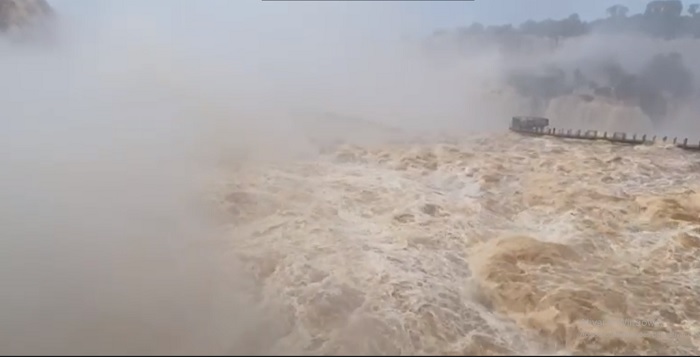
{"x":485,"y":245}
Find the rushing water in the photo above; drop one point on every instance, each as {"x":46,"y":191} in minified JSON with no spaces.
{"x":498,"y":244}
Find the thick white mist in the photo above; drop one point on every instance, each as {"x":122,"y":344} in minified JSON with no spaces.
{"x":110,"y":132}
{"x":99,"y":207}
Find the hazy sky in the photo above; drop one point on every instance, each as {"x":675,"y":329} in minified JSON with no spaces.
{"x":274,"y":36}
{"x":409,"y":16}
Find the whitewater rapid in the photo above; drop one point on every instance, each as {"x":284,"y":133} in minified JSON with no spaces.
{"x":491,"y":244}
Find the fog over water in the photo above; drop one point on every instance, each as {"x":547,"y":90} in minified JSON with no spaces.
{"x":220,"y":177}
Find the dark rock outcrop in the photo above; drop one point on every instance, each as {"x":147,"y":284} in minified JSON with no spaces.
{"x":19,"y":15}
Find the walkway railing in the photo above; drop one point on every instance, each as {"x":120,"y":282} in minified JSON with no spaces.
{"x":618,"y":137}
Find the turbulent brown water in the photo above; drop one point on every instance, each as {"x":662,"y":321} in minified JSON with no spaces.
{"x":483,"y":244}
{"x":498,"y":244}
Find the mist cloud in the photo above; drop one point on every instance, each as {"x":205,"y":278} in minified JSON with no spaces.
{"x":643,"y":60}
{"x":116,"y":125}
{"x":117,"y":121}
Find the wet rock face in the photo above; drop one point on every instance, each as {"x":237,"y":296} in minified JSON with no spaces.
{"x":21,"y":14}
